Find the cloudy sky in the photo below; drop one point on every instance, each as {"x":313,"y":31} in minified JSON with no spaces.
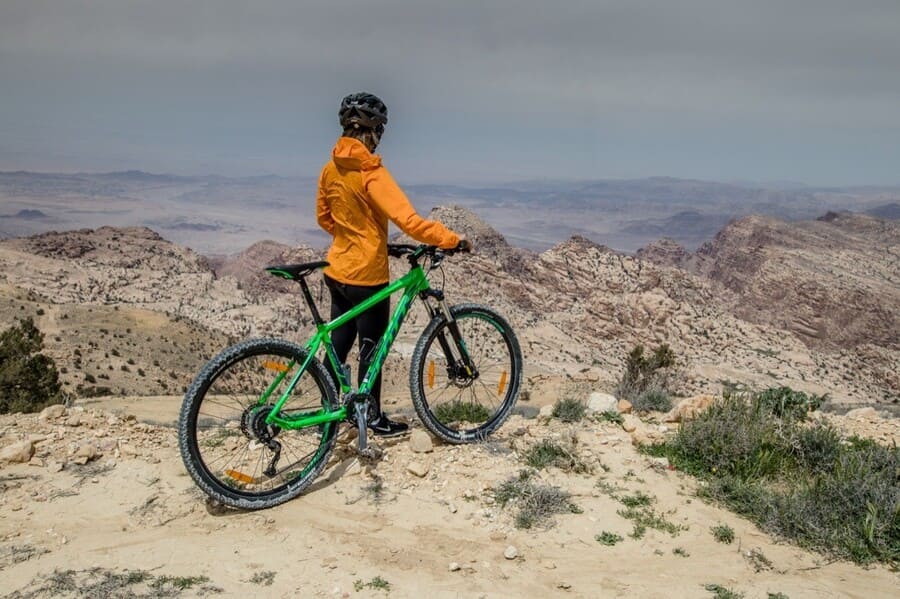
{"x":761,"y":90}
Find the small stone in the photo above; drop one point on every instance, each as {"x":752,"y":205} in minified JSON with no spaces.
{"x":452,"y":508}
{"x":454,"y":567}
{"x":85,"y":453}
{"x":602,"y":402}
{"x":17,"y":453}
{"x":73,"y":421}
{"x":498,"y":535}
{"x":419,"y":469}
{"x":867,"y":413}
{"x":689,"y":408}
{"x":546,"y":411}
{"x":51,"y":412}
{"x":511,"y":552}
{"x":624,"y":406}
{"x":564,"y":585}
{"x":630,"y":423}
{"x":420,"y":442}
{"x":36,"y":461}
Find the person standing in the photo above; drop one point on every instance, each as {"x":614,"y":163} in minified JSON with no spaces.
{"x":356,"y":198}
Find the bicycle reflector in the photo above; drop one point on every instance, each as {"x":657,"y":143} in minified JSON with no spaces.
{"x":502,"y":385}
{"x":431,"y":375}
{"x":275,"y":366}
{"x":240,"y":476}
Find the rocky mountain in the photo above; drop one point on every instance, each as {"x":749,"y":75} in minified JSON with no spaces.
{"x":833,"y":283}
{"x":578,"y":307}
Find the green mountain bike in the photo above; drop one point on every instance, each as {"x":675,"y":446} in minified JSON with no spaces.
{"x":259,"y":422}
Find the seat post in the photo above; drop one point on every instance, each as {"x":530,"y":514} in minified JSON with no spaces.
{"x":309,"y":300}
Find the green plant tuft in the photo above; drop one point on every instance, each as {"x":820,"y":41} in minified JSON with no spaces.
{"x":461,"y":411}
{"x":548,"y":453}
{"x":569,"y":409}
{"x":608,"y":538}
{"x":723,"y":533}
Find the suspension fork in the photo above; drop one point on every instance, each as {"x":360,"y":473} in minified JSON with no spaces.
{"x":456,"y":337}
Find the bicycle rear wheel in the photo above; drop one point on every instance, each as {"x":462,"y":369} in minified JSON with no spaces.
{"x":456,"y":402}
{"x":227,"y":447}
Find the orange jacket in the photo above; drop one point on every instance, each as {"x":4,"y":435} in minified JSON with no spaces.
{"x":356,"y":197}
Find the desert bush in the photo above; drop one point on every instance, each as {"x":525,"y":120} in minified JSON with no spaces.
{"x":535,"y":504}
{"x":796,"y":480}
{"x":784,"y":401}
{"x":569,"y":409}
{"x":548,"y":452}
{"x":656,"y":399}
{"x":647,"y":379}
{"x":461,"y":411}
{"x":722,"y":533}
{"x":29,"y":380}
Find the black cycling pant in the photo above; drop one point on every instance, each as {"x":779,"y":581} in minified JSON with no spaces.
{"x":368,"y":327}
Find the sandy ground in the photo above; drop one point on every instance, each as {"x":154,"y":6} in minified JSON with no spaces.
{"x":135,"y":508}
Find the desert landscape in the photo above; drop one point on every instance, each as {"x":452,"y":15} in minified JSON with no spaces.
{"x":98,"y":503}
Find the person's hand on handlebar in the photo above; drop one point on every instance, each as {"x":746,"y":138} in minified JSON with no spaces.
{"x":465,"y":244}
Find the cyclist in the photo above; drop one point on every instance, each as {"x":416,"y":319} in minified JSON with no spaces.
{"x":356,"y":198}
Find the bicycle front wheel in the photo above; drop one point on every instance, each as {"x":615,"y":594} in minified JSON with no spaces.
{"x":227,"y":447}
{"x":465,"y":374}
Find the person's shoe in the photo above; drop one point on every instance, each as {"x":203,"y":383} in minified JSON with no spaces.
{"x":385,"y":427}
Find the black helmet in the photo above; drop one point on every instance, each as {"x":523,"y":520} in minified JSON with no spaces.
{"x":363,"y":110}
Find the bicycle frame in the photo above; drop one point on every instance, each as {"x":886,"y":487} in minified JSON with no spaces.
{"x":413,"y":283}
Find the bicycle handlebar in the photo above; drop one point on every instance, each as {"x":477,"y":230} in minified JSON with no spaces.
{"x":414,"y":252}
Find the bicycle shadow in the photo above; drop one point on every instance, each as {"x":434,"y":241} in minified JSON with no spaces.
{"x":347,"y":462}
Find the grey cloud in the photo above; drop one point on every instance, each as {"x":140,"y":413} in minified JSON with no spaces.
{"x":577,"y":64}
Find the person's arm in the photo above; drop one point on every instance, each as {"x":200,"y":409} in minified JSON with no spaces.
{"x":390,"y":199}
{"x":323,"y":211}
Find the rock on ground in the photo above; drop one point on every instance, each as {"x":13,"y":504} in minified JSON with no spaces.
{"x":602,"y":402}
{"x":689,"y":408}
{"x":17,"y":453}
{"x":420,"y":442}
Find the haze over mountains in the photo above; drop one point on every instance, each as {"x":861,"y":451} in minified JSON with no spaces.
{"x":222,"y":215}
{"x":814,"y":305}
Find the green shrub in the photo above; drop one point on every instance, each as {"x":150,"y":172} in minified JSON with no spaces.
{"x":29,"y":380}
{"x":608,"y":538}
{"x":723,"y":533}
{"x":461,"y":411}
{"x":647,"y":379}
{"x":569,"y":409}
{"x":784,"y":401}
{"x":796,"y":480}
{"x":653,"y":400}
{"x":548,"y":452}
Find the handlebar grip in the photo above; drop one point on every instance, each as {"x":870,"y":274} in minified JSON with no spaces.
{"x":464,"y":246}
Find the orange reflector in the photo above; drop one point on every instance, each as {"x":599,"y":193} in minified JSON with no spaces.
{"x":502,"y":385}
{"x":275,"y":366}
{"x":240,"y":476}
{"x":431,"y":375}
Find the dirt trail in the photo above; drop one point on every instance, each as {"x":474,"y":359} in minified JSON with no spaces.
{"x":134,"y":508}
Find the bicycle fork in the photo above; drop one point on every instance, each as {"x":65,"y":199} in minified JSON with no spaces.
{"x":464,"y":366}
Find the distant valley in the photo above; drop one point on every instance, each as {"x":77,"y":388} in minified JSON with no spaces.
{"x":222,"y":215}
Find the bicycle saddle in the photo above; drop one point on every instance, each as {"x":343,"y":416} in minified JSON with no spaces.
{"x":295,"y":271}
